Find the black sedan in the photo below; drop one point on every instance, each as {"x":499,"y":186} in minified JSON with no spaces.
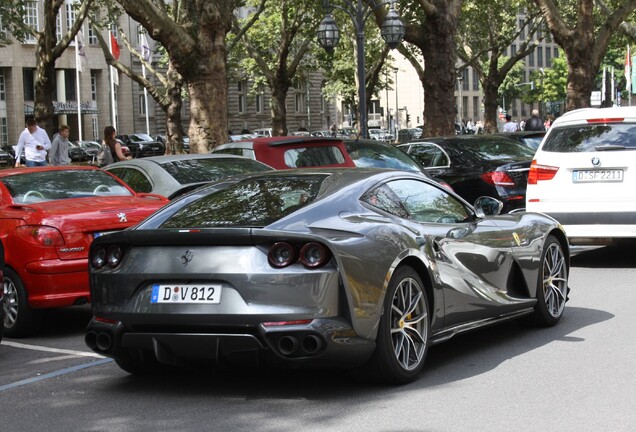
{"x":477,"y":165}
{"x":344,"y":267}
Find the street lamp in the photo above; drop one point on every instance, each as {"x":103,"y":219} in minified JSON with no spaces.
{"x":359,"y":11}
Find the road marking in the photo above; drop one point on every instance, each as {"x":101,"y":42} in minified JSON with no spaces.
{"x":54,"y":374}
{"x":53,"y":350}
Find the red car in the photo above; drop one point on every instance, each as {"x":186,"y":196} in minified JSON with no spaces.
{"x":48,"y":218}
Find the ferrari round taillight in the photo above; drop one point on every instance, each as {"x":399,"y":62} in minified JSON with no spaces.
{"x":98,"y":257}
{"x":113,"y":255}
{"x":314,"y":255}
{"x":281,"y":255}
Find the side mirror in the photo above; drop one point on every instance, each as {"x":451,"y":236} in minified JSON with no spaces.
{"x":487,"y":206}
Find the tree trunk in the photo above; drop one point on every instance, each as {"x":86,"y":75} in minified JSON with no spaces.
{"x":279,"y":109}
{"x":490,"y":106}
{"x":174,"y":125}
{"x":45,"y":91}
{"x":581,"y":73}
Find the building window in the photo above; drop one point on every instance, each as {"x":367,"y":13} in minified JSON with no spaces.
{"x":513,"y":50}
{"x":548,"y":58}
{"x":3,"y":33}
{"x":70,"y":14}
{"x":31,"y":19}
{"x":465,"y":83}
{"x":92,"y":38}
{"x":69,"y":82}
{"x":540,"y":56}
{"x":300,"y":96}
{"x":58,"y":23}
{"x":476,"y":107}
{"x":93,"y":85}
{"x":3,"y":89}
{"x":95,"y":124}
{"x":555,"y":52}
{"x":260,"y":103}
{"x":522,"y":30}
{"x":475,"y":80}
{"x":242,"y":95}
{"x":531,"y":59}
{"x":142,"y":103}
{"x":4,"y":131}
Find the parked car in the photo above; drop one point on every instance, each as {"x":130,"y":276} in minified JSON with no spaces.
{"x":242,"y":137}
{"x":77,"y":153}
{"x":90,"y":148}
{"x":263,"y":132}
{"x":174,"y":175}
{"x":381,"y":135}
{"x":163,"y":139}
{"x":50,"y":215}
{"x":6,"y":157}
{"x":2,"y":304}
{"x":142,"y":145}
{"x":10,"y":151}
{"x":583,"y":175}
{"x":305,"y":152}
{"x":530,"y":139}
{"x":317,"y":268}
{"x":477,"y":165}
{"x":300,"y":133}
{"x":321,"y":133}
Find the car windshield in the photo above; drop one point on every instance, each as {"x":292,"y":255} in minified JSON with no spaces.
{"x":254,"y":202}
{"x":377,"y":155}
{"x":140,"y":137}
{"x":62,"y":184}
{"x":585,"y":138}
{"x":187,"y":171}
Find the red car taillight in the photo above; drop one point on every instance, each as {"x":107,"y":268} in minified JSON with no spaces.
{"x":312,"y":255}
{"x":497,"y":178}
{"x":541,"y":172}
{"x":40,"y":235}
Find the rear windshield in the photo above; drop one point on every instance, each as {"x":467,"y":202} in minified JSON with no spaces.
{"x":313,"y":157}
{"x":589,"y":138}
{"x":254,"y":202}
{"x":378,"y":155}
{"x":200,"y":170}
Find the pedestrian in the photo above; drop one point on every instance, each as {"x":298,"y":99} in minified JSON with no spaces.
{"x":59,"y":147}
{"x":35,"y":142}
{"x":535,"y":123}
{"x":111,"y":148}
{"x":334,"y":130}
{"x":510,"y":126}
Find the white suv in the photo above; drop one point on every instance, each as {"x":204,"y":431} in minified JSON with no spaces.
{"x":584,"y":175}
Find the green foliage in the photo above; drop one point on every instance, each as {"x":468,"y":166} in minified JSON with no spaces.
{"x":513,"y":85}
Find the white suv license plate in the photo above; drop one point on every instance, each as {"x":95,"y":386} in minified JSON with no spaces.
{"x":199,"y":294}
{"x":600,"y":176}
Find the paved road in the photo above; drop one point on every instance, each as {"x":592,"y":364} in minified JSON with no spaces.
{"x":577,"y":376}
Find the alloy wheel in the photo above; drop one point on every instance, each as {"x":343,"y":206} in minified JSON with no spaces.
{"x":409,"y":324}
{"x":10,"y":303}
{"x":555,"y":280}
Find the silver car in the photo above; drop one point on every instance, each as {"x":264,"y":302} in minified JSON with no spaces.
{"x":332,"y":267}
{"x":175,"y":175}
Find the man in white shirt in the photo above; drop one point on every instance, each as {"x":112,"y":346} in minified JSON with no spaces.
{"x":510,"y":126}
{"x":35,"y":142}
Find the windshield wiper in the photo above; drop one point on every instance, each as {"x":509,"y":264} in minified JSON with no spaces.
{"x":607,"y":147}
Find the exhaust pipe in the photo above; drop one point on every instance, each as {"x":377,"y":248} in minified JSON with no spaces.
{"x":312,"y":344}
{"x":91,"y":340}
{"x":103,"y":341}
{"x":287,"y":345}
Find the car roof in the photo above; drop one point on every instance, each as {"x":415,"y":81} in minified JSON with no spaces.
{"x":611,"y":114}
{"x":176,"y":157}
{"x":276,"y":141}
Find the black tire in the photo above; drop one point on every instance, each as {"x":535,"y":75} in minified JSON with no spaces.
{"x":552,"y":284}
{"x":20,"y":319}
{"x":140,"y":362}
{"x":402,"y":341}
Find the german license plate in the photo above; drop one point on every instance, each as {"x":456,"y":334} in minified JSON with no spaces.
{"x":204,"y":294}
{"x":600,"y":176}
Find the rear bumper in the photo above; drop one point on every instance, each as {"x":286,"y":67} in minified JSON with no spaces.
{"x":597,"y":227}
{"x":56,"y":283}
{"x":322,"y":342}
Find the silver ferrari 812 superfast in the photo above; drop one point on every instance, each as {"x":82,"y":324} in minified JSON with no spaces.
{"x":350,"y":268}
